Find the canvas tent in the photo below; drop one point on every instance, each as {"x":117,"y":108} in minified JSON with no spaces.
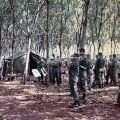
{"x":19,"y":63}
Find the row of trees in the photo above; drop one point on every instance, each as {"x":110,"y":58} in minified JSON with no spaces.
{"x":46,"y":26}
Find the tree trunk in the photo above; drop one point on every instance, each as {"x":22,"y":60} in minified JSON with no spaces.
{"x":61,"y":29}
{"x":47,"y":29}
{"x":84,"y":24}
{"x":28,"y":38}
{"x":0,"y":37}
{"x":13,"y":34}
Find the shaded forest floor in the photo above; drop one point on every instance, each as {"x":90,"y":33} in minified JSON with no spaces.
{"x":38,"y":102}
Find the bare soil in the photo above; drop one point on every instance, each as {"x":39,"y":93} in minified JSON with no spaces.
{"x":38,"y":102}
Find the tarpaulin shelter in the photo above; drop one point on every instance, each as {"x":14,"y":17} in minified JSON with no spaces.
{"x":19,"y":63}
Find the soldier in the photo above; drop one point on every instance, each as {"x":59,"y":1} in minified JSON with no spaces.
{"x":99,"y":70}
{"x":50,"y":71}
{"x":108,"y":70}
{"x":113,"y":68}
{"x":60,"y":72}
{"x":39,"y":67}
{"x":95,"y":73}
{"x":89,"y":71}
{"x":56,"y":72}
{"x":82,"y":73}
{"x":73,"y":80}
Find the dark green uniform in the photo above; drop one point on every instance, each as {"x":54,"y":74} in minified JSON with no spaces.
{"x":83,"y":75}
{"x":89,"y":72}
{"x":113,"y":69}
{"x":56,"y":72}
{"x":108,"y":73}
{"x":39,"y":67}
{"x":99,"y":72}
{"x":73,"y":79}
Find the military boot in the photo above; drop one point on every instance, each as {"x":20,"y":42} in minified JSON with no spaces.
{"x":75,"y":104}
{"x":83,"y":98}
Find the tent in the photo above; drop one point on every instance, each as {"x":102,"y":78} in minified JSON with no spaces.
{"x":19,"y":63}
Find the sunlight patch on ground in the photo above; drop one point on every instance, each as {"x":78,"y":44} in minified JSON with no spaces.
{"x":11,"y":82}
{"x":52,"y":93}
{"x":31,"y":91}
{"x":24,"y":103}
{"x":21,"y":97}
{"x":18,"y":97}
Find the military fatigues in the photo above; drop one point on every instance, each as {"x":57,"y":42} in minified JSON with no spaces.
{"x":39,"y":67}
{"x":56,"y":72}
{"x":73,"y":79}
{"x":99,"y":72}
{"x":113,"y":69}
{"x":50,"y":72}
{"x":108,"y":73}
{"x":82,"y":75}
{"x":89,"y":72}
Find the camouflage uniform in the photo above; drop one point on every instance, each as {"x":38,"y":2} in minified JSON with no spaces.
{"x":113,"y":69}
{"x":99,"y":72}
{"x":56,"y":72}
{"x":39,"y":67}
{"x":50,"y":73}
{"x":108,"y":70}
{"x":89,"y":71}
{"x":83,"y":75}
{"x":73,"y":81}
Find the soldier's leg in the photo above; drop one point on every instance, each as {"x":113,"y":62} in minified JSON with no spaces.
{"x":96,"y":78}
{"x":89,"y":80}
{"x":102,"y":79}
{"x":94,"y":82}
{"x":74,"y":91}
{"x":99,"y":76}
{"x":107,"y":77}
{"x":50,"y":76}
{"x":111,"y":78}
{"x":60,"y":79}
{"x":57,"y":78}
{"x":114,"y":78}
{"x":53,"y":73}
{"x":83,"y":88}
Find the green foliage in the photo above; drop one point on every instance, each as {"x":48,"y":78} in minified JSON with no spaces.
{"x":32,"y":14}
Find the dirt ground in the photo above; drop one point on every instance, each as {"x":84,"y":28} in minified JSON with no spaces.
{"x":38,"y":102}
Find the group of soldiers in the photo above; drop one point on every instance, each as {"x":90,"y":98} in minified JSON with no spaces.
{"x":84,"y":73}
{"x":80,"y":73}
{"x":53,"y":68}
